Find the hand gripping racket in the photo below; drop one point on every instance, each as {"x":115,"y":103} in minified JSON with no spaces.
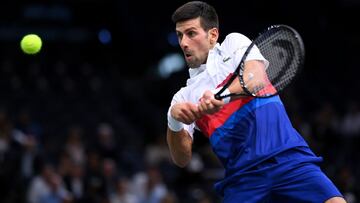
{"x":283,"y":47}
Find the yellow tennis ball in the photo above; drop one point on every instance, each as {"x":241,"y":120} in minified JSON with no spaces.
{"x":31,"y":44}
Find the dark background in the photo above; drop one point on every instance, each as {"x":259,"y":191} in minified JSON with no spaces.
{"x":78,"y":81}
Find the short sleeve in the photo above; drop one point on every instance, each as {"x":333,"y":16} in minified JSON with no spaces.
{"x":235,"y":44}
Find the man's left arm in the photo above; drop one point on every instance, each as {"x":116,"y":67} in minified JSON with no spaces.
{"x":253,"y":77}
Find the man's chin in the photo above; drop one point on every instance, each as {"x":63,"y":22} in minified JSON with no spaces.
{"x":192,"y":65}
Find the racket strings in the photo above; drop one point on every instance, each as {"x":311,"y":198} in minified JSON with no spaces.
{"x":281,"y":48}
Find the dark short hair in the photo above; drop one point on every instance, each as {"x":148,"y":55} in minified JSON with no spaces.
{"x":193,"y":9}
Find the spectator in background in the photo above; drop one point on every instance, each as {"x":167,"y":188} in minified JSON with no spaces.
{"x":75,"y":183}
{"x":74,"y":145}
{"x":106,"y":144}
{"x":326,"y":122}
{"x":95,"y":190}
{"x":157,"y":152}
{"x":170,"y":197}
{"x":110,"y":175}
{"x":122,"y":193}
{"x":350,"y":124}
{"x":18,"y":158}
{"x":47,"y":187}
{"x":29,"y":127}
{"x":64,"y":164}
{"x":11,"y":141}
{"x":149,"y":187}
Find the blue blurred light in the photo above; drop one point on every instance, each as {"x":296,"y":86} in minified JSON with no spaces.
{"x":173,"y":39}
{"x":104,"y":36}
{"x":170,"y":64}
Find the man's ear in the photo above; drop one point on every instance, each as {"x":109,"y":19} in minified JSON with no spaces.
{"x":213,"y":35}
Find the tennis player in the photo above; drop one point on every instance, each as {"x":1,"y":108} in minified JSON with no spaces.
{"x":265,"y":158}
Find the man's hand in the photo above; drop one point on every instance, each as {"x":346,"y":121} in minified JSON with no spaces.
{"x":185,"y":112}
{"x":208,"y":104}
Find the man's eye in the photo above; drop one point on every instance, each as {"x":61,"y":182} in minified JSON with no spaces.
{"x":179,"y":36}
{"x":191,"y":34}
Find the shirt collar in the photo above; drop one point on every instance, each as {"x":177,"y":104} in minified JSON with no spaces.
{"x":196,"y":71}
{"x":217,"y":47}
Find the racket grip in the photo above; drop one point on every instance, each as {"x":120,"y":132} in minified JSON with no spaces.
{"x":225,"y":95}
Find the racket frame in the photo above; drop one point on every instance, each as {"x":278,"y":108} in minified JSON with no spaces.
{"x":239,"y":71}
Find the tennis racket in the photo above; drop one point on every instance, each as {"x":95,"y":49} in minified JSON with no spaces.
{"x":283,"y":47}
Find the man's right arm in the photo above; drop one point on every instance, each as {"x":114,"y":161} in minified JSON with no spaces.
{"x":180,"y":145}
{"x":179,"y":140}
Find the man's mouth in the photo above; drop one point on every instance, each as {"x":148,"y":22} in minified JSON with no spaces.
{"x":187,"y":55}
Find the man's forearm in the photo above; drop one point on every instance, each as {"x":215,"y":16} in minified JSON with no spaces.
{"x":180,"y":145}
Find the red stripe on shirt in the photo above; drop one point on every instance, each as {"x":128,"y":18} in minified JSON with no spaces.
{"x":209,"y":123}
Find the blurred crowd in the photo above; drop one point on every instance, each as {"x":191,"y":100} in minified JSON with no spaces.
{"x":82,"y":132}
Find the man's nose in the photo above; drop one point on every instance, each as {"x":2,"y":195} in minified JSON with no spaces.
{"x":184,"y":42}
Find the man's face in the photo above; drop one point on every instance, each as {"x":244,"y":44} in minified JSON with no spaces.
{"x":195,"y":41}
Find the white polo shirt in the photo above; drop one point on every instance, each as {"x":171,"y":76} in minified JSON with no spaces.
{"x":222,"y":60}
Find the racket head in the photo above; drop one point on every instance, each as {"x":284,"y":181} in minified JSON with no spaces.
{"x":283,"y":47}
